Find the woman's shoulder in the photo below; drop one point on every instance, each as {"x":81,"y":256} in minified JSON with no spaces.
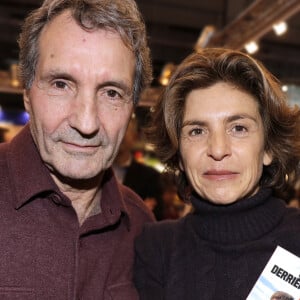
{"x":158,"y":242}
{"x":291,"y":219}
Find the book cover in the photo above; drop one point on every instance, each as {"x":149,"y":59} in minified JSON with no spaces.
{"x":280,"y":278}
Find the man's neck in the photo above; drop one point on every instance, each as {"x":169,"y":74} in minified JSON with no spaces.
{"x":85,"y":204}
{"x":123,"y":160}
{"x":85,"y":196}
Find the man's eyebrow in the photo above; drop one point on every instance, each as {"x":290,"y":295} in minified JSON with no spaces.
{"x":64,"y":75}
{"x":118,"y":84}
{"x":57,"y":74}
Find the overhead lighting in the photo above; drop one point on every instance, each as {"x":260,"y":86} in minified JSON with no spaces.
{"x":14,"y":75}
{"x":164,"y":81}
{"x":205,"y":37}
{"x":166,"y":73}
{"x":251,"y":47}
{"x":285,"y":88}
{"x":280,"y":28}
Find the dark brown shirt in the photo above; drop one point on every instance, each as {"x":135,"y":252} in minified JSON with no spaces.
{"x":44,"y":253}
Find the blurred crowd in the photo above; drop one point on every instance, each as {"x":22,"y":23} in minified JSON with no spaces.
{"x":157,"y":188}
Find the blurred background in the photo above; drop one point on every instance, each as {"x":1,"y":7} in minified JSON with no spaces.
{"x":175,"y":28}
{"x":269,"y":30}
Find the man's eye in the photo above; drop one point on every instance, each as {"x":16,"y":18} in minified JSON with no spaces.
{"x":113,"y":94}
{"x":239,"y":128}
{"x":60,"y":84}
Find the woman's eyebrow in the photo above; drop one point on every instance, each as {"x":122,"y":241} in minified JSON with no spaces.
{"x":241,"y":117}
{"x":193,"y":123}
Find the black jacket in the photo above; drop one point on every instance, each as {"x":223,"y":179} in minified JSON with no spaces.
{"x":216,"y":253}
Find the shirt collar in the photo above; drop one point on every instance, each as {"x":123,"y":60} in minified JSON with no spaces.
{"x":28,"y":174}
{"x":112,"y":199}
{"x":30,"y":177}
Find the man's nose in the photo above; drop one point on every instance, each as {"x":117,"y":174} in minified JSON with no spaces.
{"x":84,"y":114}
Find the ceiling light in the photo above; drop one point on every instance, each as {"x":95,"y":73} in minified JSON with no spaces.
{"x":251,"y":47}
{"x":14,"y":75}
{"x":280,"y":28}
{"x":284,"y":88}
{"x":164,"y":81}
{"x":166,"y":73}
{"x":205,"y":37}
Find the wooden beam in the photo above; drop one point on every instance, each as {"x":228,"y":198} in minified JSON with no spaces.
{"x":253,"y":23}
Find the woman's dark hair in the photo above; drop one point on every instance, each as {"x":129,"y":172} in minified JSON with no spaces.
{"x":203,"y":69}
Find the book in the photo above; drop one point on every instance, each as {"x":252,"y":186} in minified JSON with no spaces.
{"x":281,"y":276}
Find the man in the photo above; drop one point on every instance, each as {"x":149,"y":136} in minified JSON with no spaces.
{"x":281,"y":296}
{"x":67,"y":226}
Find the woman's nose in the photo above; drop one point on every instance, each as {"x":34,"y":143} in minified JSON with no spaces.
{"x":218,"y":146}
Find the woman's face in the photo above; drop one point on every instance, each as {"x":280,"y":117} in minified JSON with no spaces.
{"x":222,"y":143}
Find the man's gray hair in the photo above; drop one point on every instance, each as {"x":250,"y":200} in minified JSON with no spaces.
{"x":121,"y":16}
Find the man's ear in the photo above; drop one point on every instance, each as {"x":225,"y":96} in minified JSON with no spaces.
{"x":26,"y":100}
{"x":267,"y":159}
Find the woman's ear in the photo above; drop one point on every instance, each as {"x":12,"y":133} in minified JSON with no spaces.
{"x":180,"y":164}
{"x":267,"y":159}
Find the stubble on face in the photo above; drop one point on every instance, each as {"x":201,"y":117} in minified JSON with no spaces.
{"x":66,"y":149}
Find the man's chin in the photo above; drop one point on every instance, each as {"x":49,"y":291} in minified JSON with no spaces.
{"x":77,"y":178}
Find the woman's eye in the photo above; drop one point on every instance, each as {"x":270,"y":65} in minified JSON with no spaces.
{"x":196,"y":131}
{"x":239,"y":130}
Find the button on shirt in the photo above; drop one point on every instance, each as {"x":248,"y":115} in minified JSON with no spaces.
{"x":45,"y":253}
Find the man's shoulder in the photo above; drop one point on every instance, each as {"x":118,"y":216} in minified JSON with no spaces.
{"x":3,"y":151}
{"x":3,"y":163}
{"x":136,"y":205}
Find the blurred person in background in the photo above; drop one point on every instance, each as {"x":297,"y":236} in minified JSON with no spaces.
{"x":67,"y":225}
{"x":143,"y":179}
{"x":174,"y":207}
{"x":223,"y":124}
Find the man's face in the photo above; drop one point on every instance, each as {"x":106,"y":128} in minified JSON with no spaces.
{"x":222,"y":143}
{"x":81,"y":98}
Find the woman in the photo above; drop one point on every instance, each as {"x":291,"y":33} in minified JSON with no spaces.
{"x":223,"y":125}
